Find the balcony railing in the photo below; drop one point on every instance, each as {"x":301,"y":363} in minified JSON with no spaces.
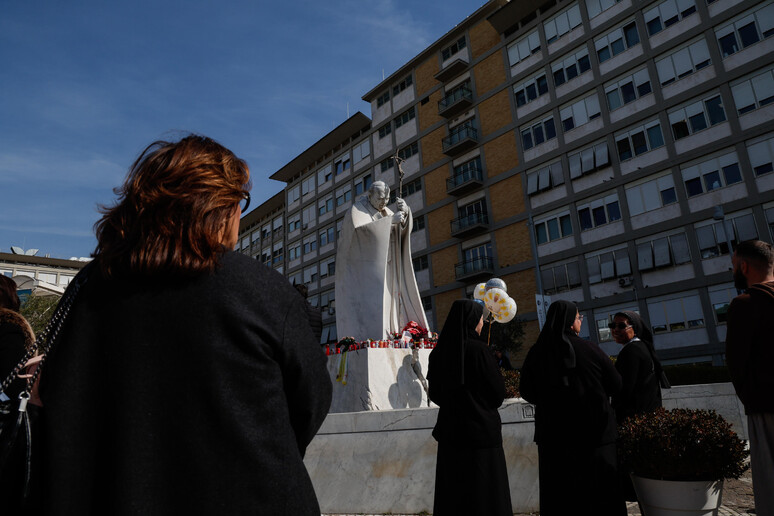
{"x":481,"y":266}
{"x":460,"y":139}
{"x":455,"y":101}
{"x":471,"y":178}
{"x":469,"y":224}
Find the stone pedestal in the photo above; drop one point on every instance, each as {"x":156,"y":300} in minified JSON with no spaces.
{"x":378,"y":379}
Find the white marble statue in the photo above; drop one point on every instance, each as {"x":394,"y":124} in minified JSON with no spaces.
{"x":376,"y":291}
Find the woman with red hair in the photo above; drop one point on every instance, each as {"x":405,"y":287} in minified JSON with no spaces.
{"x":182,"y":382}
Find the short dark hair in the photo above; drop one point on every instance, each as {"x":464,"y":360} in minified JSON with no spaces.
{"x":759,"y":254}
{"x":8,"y":297}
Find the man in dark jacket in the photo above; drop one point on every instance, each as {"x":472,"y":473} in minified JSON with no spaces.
{"x":750,"y":355}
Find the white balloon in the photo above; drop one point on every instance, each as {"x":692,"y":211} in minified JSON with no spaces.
{"x":495,"y":299}
{"x":480,"y":291}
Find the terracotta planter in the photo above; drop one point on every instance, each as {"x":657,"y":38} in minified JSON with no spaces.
{"x":674,"y":498}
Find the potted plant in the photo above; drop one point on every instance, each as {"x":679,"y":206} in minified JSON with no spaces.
{"x":679,"y":458}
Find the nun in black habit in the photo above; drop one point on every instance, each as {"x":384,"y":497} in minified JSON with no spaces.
{"x":640,"y":369}
{"x":471,"y":476}
{"x":570,"y":381}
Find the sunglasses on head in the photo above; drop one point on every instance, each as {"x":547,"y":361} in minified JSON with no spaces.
{"x":618,"y":326}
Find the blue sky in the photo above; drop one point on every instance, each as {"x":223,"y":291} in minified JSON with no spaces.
{"x":86,"y":85}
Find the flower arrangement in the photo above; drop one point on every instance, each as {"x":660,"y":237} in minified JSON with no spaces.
{"x":511,"y":383}
{"x":681,"y":444}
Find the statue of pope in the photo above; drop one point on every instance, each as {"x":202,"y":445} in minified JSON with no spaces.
{"x":376,"y":290}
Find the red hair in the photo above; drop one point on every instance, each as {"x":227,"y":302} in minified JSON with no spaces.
{"x":172,"y":210}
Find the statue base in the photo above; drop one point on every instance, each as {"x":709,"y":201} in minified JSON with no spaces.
{"x":378,"y":379}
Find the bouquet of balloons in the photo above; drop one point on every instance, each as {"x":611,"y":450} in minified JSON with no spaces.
{"x":494,"y":296}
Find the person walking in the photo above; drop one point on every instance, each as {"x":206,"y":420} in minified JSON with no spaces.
{"x":570,"y":381}
{"x":471,"y":476}
{"x":185,"y":379}
{"x":750,"y":355}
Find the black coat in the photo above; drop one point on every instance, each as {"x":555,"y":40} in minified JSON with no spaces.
{"x":468,"y":413}
{"x":640,"y":391}
{"x":579,"y":414}
{"x":192,"y":397}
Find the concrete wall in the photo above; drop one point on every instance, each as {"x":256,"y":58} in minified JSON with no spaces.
{"x":378,"y":462}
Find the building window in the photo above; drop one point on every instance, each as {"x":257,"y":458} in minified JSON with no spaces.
{"x":711,"y":174}
{"x":681,"y":313}
{"x":327,"y":268}
{"x":277,"y":254}
{"x":761,"y":154}
{"x":452,"y":49}
{"x":683,"y":62}
{"x":385,"y":130}
{"x":404,"y":117}
{"x":628,"y":89}
{"x":562,"y":23}
{"x":639,"y":140}
{"x":754,"y":92}
{"x":608,"y":265}
{"x":616,"y":41}
{"x":421,"y":263}
{"x":580,"y":112}
{"x":651,"y":195}
{"x":545,"y":178}
{"x":294,"y":252}
{"x":409,"y":188}
{"x":588,"y":160}
{"x":276,"y":225}
{"x":481,"y":254}
{"x":596,"y":7}
{"x":538,"y":133}
{"x":325,"y":205}
{"x":427,"y":303}
{"x":720,"y":299}
{"x":310,"y":244}
{"x":266,"y":256}
{"x":770,"y":221}
{"x":324,"y":175}
{"x":553,"y":228}
{"x":310,"y":274}
{"x":667,"y":14}
{"x":408,"y":151}
{"x":530,"y":89}
{"x":327,"y":235}
{"x":419,"y":223}
{"x":361,"y":152}
{"x":343,"y":196}
{"x":712,"y":237}
{"x":307,"y":186}
{"x":663,"y":252}
{"x":308,"y":216}
{"x":570,"y":67}
{"x":525,"y":47}
{"x":747,"y":30}
{"x":293,"y":194}
{"x":383,"y":99}
{"x":343,"y":164}
{"x":599,"y":212}
{"x":294,"y":222}
{"x":363,"y":183}
{"x":560,"y":278}
{"x":402,"y":85}
{"x":265,"y":231}
{"x":696,"y":117}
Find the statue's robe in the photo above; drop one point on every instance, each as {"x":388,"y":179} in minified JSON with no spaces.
{"x":376,"y":290}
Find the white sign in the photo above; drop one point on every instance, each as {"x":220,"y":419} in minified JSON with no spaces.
{"x":542,"y":303}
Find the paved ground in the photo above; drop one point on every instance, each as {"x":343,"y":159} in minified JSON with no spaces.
{"x":737,"y":500}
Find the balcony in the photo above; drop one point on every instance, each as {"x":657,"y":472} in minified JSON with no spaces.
{"x":460,"y":139}
{"x":473,"y":223}
{"x":482,"y":266}
{"x":451,"y":70}
{"x":455,"y":102}
{"x":465,"y":181}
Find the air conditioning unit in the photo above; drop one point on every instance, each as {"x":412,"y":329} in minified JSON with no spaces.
{"x":625,"y":282}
